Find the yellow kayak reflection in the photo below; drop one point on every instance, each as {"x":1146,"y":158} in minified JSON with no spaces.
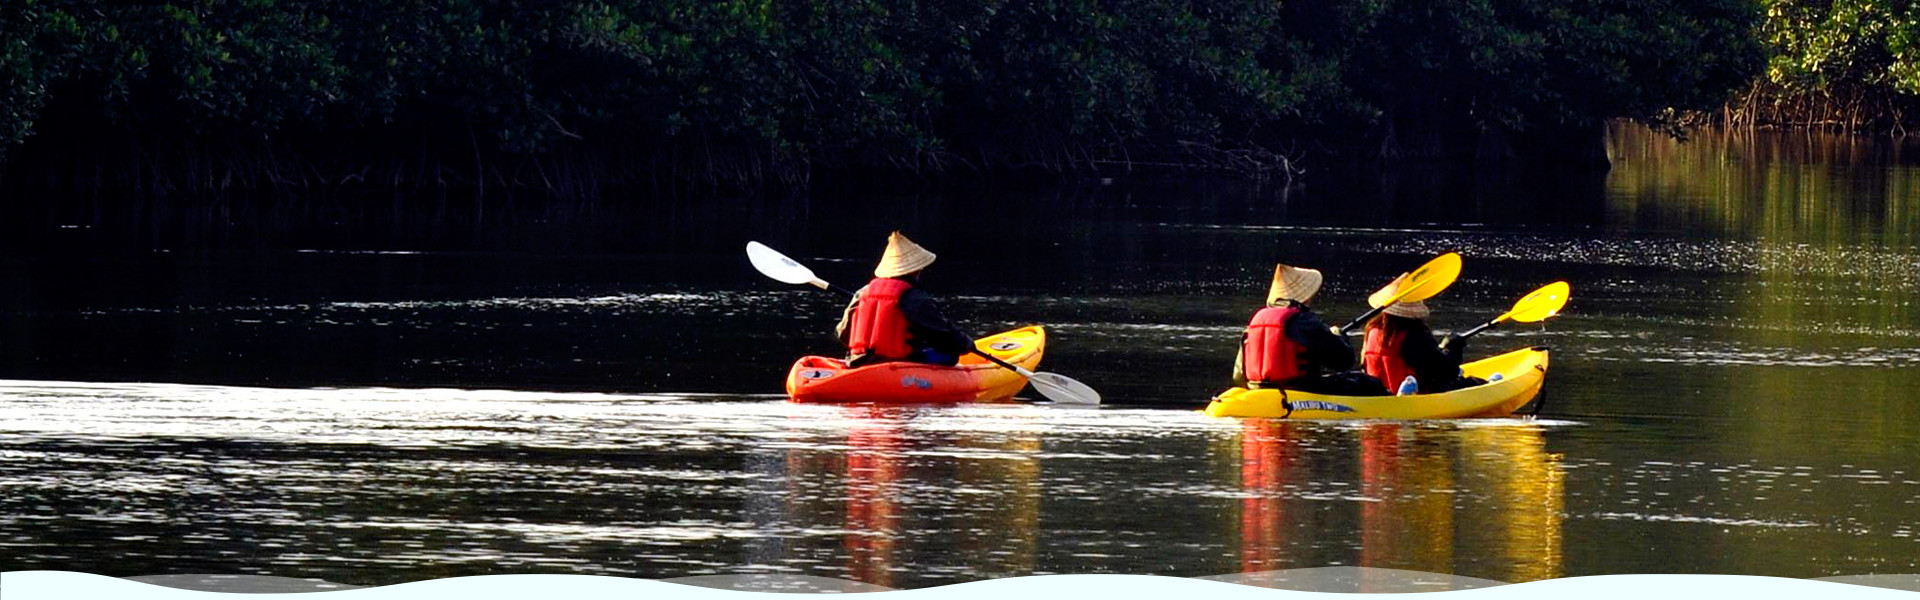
{"x":1481,"y":501}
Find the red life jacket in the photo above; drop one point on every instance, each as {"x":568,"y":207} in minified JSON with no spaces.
{"x":1267,"y":354}
{"x":878,"y":327}
{"x":1383,"y":360}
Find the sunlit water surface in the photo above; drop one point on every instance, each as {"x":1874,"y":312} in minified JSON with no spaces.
{"x":1734,"y":385}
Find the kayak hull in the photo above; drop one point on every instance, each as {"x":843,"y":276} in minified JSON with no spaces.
{"x":1522,"y":374}
{"x":819,"y":379}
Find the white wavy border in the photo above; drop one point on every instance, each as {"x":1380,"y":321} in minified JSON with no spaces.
{"x":65,"y":585}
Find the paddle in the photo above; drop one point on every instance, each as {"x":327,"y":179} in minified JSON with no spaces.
{"x":1054,"y":386}
{"x":773,"y":264}
{"x":1420,"y":284}
{"x":1532,"y":308}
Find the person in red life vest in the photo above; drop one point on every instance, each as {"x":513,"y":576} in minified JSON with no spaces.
{"x":1287,"y":346}
{"x":892,"y":319}
{"x":1399,"y":344}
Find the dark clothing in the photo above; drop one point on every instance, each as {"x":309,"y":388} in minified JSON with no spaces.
{"x":1437,"y":370}
{"x":1348,"y":383}
{"x":932,"y":357}
{"x":1322,"y":352}
{"x":934,"y":340}
{"x":1325,"y":350}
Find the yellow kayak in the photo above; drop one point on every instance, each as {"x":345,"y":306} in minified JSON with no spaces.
{"x":1522,"y":372}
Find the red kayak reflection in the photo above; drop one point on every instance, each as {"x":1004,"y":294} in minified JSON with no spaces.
{"x":1265,"y":459}
{"x":875,"y":461}
{"x":891,"y":479}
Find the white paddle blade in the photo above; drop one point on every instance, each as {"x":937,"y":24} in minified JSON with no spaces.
{"x":1063,"y":389}
{"x":773,"y":264}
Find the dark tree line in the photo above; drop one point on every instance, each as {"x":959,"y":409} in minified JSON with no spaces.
{"x":527,"y":92}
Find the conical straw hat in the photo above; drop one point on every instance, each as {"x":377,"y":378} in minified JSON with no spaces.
{"x":903,"y":257}
{"x":1293,"y":283}
{"x":1411,"y":310}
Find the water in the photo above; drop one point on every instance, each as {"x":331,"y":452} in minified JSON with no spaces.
{"x":376,"y":393}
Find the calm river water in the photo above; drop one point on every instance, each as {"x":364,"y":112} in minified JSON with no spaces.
{"x":379,"y":391}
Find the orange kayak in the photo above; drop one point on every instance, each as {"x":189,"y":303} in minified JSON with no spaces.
{"x":822,"y":379}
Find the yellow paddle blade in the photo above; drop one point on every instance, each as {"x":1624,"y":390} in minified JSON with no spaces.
{"x":1420,"y":284}
{"x":1541,"y":304}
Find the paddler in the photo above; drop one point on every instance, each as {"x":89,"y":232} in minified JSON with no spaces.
{"x":1287,"y":346}
{"x":892,"y":319}
{"x":1399,"y":344}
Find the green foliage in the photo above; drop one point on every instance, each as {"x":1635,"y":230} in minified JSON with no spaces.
{"x":1852,"y":64}
{"x":862,"y":81}
{"x":37,"y":46}
{"x":1843,"y":43}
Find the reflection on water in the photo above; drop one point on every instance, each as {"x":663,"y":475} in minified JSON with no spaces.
{"x":1732,"y":388}
{"x":1835,"y":280}
{"x":1482,"y":499}
{"x":1833,"y":224}
{"x":1264,"y":458}
{"x":1410,"y":524}
{"x":1006,"y":541}
{"x":1521,"y":505}
{"x":1790,"y":187}
{"x":370,"y":486}
{"x":977,"y":491}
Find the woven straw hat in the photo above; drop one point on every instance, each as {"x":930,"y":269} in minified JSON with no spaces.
{"x":903,"y":257}
{"x":1411,"y":310}
{"x":1293,"y":283}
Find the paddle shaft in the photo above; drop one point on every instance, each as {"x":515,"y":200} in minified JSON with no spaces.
{"x":1362,"y":319}
{"x":1483,"y":327}
{"x":834,"y":289}
{"x":996,"y":360}
{"x":1546,"y":298}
